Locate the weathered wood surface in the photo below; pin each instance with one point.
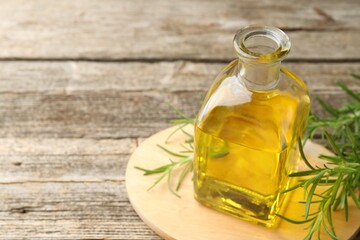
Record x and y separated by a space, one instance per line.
82 82
119 100
90 29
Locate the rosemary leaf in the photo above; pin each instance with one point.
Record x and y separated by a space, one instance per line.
294 221
171 152
348 91
301 149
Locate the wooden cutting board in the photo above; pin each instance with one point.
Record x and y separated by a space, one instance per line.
184 218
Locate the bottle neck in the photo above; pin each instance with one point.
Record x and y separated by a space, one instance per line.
261 50
259 77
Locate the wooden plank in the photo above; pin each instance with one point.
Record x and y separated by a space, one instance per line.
71 108
69 77
101 115
110 29
63 160
69 211
112 100
67 189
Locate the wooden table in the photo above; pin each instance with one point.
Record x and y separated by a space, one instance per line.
83 82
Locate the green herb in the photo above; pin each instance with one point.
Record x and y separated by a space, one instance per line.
340 174
184 163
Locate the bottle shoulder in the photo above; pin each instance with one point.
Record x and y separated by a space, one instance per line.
230 89
290 82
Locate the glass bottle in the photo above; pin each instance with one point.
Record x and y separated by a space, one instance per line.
247 129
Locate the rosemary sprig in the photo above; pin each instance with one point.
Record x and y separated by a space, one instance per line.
341 179
340 174
347 115
184 163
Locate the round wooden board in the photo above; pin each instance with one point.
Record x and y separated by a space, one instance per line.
184 218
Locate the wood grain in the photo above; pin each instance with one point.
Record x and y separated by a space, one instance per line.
66 210
63 160
111 29
67 77
66 188
114 100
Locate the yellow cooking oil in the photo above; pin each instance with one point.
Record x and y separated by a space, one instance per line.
247 130
242 158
